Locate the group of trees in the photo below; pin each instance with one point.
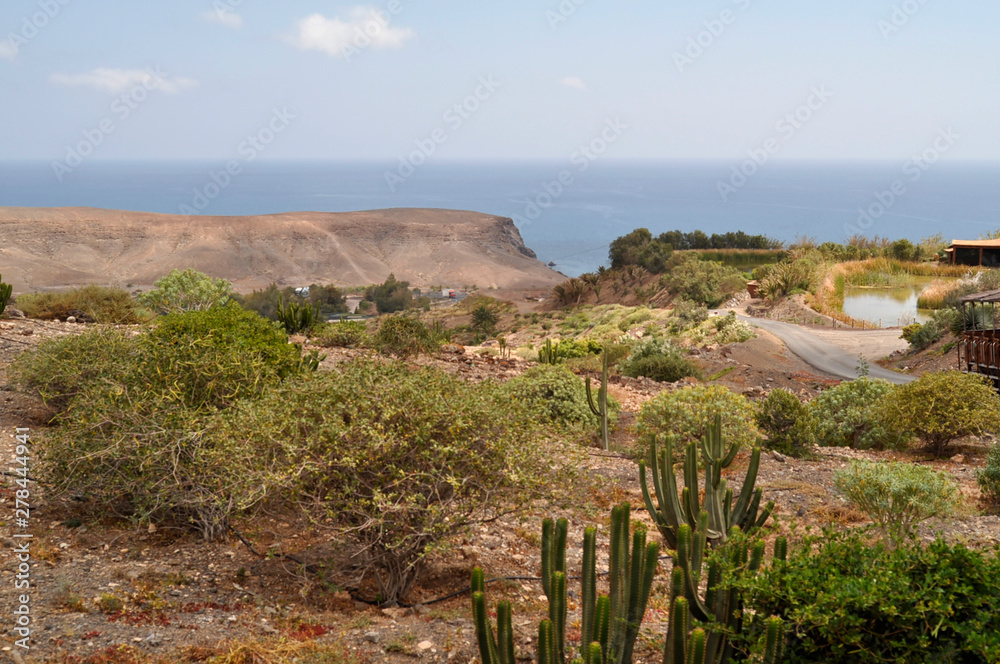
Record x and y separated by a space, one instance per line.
640 247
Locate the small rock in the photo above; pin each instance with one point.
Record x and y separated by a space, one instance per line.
469 553
778 456
396 612
425 645
71 319
153 640
958 458
372 637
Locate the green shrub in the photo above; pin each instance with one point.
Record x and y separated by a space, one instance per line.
187 290
555 391
297 317
848 416
988 478
390 296
703 282
846 601
686 314
5 293
402 336
730 330
786 423
896 496
395 460
98 303
484 319
132 422
687 412
660 360
344 334
943 406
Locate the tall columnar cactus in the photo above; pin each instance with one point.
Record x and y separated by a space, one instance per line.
5 292
548 354
720 608
601 408
673 510
609 623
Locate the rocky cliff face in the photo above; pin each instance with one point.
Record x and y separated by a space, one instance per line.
56 247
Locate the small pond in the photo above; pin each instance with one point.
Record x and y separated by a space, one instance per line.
890 307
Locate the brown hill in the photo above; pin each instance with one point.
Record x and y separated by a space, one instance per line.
57 247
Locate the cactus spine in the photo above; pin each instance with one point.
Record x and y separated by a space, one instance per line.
601 408
609 624
674 510
5 292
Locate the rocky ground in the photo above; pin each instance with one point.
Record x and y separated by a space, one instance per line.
101 584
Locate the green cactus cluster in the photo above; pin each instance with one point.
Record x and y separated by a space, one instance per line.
600 409
673 510
720 609
5 292
548 354
609 623
296 317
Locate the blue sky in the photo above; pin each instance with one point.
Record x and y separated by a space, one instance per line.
869 79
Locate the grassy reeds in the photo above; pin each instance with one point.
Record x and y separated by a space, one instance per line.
933 297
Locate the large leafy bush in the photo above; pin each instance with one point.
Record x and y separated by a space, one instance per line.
395 459
704 282
942 406
686 413
660 360
786 422
849 415
133 409
558 394
187 290
846 601
896 496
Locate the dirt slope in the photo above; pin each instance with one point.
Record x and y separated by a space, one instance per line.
57 247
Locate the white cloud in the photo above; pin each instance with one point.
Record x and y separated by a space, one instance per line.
116 81
573 82
366 26
225 18
7 50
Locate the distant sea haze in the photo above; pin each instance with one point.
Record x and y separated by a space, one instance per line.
567 211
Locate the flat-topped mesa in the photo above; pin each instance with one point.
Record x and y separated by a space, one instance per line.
58 247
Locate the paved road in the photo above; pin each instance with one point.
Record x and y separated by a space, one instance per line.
822 354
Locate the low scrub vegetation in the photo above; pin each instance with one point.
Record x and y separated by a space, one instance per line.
435 455
896 496
98 304
849 415
558 394
847 601
660 360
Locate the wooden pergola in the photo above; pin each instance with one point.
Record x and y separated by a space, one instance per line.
979 347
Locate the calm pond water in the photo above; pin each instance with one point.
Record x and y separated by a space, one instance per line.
891 306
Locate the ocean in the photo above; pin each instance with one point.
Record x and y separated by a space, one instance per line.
568 212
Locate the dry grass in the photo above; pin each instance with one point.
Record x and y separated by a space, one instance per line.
933 296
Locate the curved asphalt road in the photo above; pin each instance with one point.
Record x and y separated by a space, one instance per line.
821 354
